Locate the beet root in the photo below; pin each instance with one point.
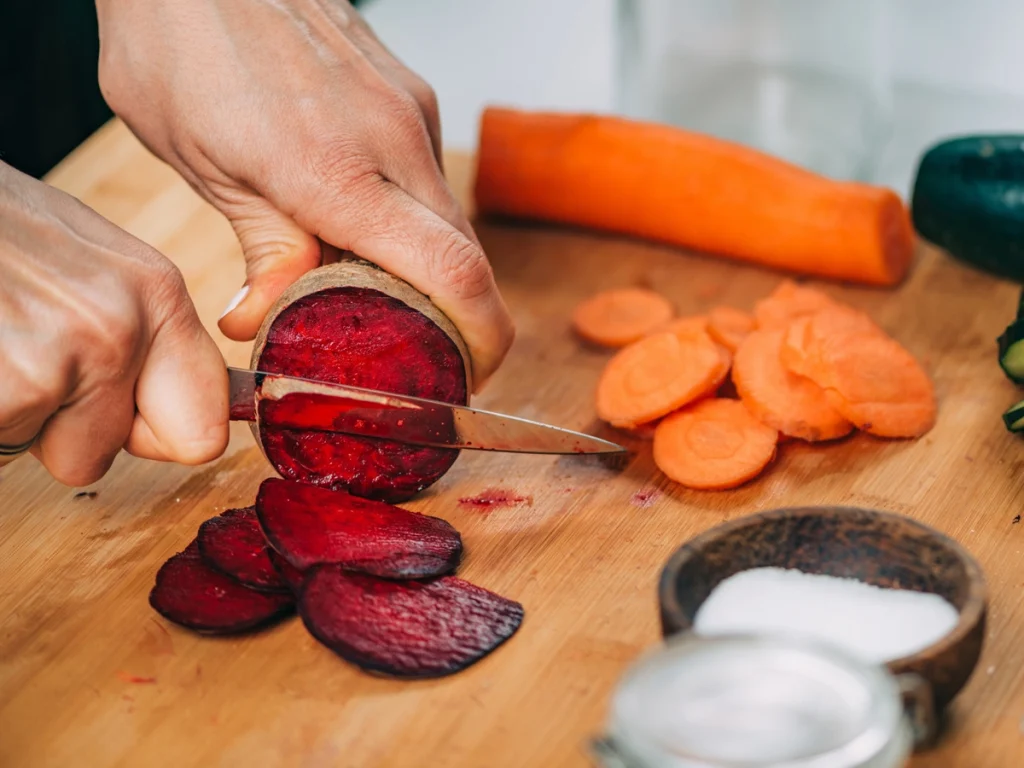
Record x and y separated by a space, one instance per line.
309 525
291 575
193 595
234 545
407 629
357 335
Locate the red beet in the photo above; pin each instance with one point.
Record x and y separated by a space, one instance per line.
362 337
310 525
409 629
291 575
190 593
234 545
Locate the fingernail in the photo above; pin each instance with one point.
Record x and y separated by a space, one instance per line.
238 299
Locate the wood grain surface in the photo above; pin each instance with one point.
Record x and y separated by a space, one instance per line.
91 676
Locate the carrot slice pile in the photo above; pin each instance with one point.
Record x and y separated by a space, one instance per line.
784 401
805 367
729 326
620 317
713 445
657 375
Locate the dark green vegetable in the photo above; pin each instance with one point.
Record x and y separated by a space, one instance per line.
969 199
1014 418
1011 351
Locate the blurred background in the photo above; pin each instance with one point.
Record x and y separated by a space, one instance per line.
915 70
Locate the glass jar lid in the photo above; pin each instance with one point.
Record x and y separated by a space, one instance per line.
752 701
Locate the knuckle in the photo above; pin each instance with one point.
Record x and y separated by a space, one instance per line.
424 95
74 473
404 120
462 266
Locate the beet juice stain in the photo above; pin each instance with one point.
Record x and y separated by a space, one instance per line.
493 498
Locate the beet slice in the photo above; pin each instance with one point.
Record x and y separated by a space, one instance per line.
351 323
409 629
291 575
309 525
190 593
233 544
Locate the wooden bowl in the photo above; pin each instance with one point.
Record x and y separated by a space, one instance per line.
879 548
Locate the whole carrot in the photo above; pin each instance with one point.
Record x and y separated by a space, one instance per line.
666 184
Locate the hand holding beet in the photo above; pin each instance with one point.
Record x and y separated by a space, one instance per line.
302 129
100 346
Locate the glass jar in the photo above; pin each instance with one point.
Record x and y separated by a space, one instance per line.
759 702
805 80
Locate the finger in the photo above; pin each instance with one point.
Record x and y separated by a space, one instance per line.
80 441
389 228
277 253
181 395
29 393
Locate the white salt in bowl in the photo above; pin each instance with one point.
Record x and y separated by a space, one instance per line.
879 548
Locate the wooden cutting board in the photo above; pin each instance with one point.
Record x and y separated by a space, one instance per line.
90 675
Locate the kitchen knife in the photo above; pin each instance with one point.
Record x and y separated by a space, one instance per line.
294 403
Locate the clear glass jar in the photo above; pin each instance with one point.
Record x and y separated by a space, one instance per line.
806 80
757 702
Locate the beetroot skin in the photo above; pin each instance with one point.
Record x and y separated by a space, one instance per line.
190 593
363 338
408 629
234 545
310 525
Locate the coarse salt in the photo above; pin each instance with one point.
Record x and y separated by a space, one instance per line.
875 623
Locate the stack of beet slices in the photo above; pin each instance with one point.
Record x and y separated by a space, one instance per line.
371 581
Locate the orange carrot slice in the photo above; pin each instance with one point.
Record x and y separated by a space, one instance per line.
784 401
799 347
729 326
787 302
874 382
619 317
657 375
686 326
676 186
713 445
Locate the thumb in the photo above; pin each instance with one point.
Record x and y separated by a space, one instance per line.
277 253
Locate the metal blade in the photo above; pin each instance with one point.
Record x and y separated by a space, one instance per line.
293 403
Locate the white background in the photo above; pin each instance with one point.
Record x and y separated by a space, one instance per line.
959 63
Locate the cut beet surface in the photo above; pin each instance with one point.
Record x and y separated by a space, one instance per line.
291 575
234 545
309 525
409 629
190 593
364 338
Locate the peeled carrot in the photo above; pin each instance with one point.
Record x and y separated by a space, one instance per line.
729 326
791 404
666 184
619 317
713 445
788 302
657 375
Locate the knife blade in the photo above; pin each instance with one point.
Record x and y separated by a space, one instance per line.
294 403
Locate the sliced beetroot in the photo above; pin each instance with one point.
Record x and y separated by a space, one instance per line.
409 629
291 575
365 338
190 593
309 525
234 545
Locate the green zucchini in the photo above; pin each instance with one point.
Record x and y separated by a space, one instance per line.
1014 418
1011 351
968 199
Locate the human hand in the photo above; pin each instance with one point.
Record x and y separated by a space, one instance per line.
300 127
100 346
